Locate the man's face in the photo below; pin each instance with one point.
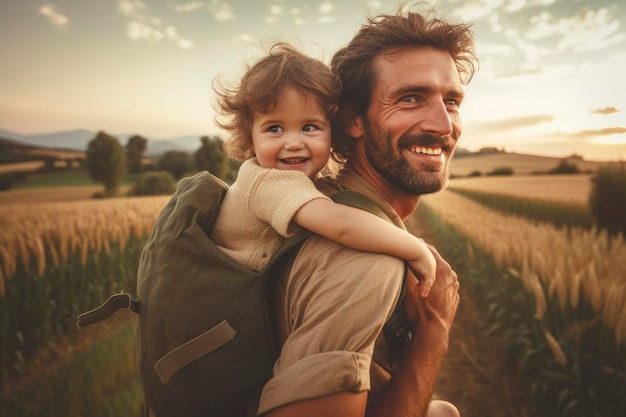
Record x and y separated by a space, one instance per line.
413 123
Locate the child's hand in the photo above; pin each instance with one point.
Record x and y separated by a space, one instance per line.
424 269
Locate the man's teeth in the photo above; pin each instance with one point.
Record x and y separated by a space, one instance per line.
427 151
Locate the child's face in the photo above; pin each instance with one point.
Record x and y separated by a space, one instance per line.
294 135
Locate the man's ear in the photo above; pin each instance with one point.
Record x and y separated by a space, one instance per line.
357 127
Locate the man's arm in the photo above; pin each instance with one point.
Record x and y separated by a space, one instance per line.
409 392
360 229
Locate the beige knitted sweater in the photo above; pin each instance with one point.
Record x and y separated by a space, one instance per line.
257 210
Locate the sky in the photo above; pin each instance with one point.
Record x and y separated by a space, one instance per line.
551 81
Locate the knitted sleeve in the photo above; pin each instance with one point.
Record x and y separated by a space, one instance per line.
279 194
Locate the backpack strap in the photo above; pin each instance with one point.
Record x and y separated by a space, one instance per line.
110 306
356 200
397 334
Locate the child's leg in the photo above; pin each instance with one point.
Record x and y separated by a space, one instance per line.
438 408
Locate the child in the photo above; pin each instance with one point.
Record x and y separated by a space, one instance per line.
279 120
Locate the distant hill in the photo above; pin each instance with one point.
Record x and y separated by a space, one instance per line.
12 151
79 138
465 163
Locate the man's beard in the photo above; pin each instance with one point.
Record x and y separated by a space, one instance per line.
397 170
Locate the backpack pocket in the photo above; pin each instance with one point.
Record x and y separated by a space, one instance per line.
196 348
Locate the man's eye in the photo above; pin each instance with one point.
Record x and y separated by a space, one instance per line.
452 103
275 129
309 128
409 99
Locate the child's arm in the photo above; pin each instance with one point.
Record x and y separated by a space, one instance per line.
360 229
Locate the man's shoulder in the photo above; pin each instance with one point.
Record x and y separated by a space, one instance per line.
318 249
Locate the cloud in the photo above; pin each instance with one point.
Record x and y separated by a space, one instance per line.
221 11
184 43
326 19
586 31
542 3
187 7
510 124
542 74
470 12
275 12
139 31
130 7
147 28
598 132
172 34
53 16
605 110
613 136
519 73
513 6
246 39
326 7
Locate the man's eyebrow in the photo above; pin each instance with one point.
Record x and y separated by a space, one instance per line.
423 89
459 94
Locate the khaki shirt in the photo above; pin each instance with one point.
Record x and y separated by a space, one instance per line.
257 211
331 309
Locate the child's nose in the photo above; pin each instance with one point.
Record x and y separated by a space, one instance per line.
293 141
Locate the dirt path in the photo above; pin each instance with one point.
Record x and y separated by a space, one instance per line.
474 376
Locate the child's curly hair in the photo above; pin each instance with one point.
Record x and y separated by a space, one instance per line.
261 86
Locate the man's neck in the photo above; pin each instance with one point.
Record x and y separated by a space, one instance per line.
403 203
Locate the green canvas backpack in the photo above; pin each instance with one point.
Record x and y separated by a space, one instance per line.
204 341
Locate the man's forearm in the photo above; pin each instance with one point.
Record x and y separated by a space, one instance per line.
409 392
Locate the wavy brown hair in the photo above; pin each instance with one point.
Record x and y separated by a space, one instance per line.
408 28
261 86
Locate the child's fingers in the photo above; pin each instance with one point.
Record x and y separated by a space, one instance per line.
425 284
425 275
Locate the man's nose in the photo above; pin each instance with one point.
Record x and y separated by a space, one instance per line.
437 119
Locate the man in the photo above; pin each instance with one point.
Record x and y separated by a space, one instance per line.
402 79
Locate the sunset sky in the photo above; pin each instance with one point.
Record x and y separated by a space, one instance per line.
552 79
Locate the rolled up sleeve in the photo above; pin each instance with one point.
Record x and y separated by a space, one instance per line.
336 302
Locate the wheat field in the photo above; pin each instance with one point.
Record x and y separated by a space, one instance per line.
37 234
562 188
551 262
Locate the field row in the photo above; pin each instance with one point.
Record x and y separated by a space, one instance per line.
551 262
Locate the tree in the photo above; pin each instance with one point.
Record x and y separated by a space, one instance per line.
135 147
177 163
607 200
501 171
154 183
565 167
106 161
211 157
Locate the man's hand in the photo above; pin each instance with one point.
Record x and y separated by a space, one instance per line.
410 389
443 300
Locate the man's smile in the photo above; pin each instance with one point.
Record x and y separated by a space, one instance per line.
426 150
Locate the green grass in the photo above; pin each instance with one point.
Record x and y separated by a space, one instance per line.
552 212
99 381
65 178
